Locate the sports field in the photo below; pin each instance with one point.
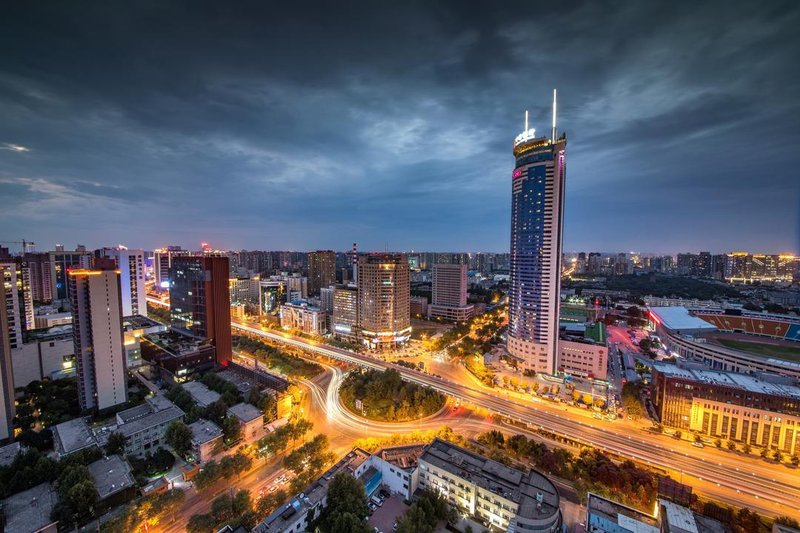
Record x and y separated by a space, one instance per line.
789 353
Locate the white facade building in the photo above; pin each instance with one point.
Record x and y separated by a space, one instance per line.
132 278
303 317
97 332
450 293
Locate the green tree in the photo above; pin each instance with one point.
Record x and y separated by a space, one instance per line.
231 429
200 523
787 521
115 444
179 437
82 497
347 507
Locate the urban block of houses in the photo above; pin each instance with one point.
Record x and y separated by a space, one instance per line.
143 427
507 498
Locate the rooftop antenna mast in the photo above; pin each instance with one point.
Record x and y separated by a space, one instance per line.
554 116
526 121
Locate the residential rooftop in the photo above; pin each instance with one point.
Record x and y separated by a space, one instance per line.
240 382
747 382
111 475
204 431
678 519
176 343
403 457
9 452
141 322
601 509
72 436
49 334
245 412
201 394
29 510
153 419
524 489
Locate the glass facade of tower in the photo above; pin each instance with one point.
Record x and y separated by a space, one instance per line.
536 228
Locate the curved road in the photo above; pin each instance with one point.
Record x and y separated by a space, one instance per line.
725 477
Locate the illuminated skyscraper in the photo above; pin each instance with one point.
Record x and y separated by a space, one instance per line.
321 270
384 293
6 377
537 215
200 300
131 270
96 303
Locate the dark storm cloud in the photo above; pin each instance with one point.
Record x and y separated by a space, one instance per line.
300 125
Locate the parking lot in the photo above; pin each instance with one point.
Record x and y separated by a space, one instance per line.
385 516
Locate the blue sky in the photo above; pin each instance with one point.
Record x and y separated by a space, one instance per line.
302 126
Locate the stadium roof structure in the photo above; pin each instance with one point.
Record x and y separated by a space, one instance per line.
679 319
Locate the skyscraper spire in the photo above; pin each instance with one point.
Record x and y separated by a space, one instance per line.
553 138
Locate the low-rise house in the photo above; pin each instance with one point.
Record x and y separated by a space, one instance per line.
9 452
113 479
72 436
205 437
251 420
202 395
143 426
29 511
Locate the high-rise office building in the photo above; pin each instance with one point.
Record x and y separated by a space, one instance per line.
200 300
272 294
384 293
96 303
321 270
41 272
162 262
344 322
18 299
6 379
537 215
450 293
132 278
63 260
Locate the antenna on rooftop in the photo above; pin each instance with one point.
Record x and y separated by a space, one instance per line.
554 116
526 120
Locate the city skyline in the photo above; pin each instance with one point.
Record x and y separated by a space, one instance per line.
145 132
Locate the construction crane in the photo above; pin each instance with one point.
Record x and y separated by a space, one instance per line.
23 242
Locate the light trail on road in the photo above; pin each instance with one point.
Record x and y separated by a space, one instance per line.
727 478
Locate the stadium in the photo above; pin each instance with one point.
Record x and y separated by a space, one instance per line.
733 340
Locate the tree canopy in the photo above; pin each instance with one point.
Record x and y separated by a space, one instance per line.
385 396
347 507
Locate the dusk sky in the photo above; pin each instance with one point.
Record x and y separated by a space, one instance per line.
302 126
